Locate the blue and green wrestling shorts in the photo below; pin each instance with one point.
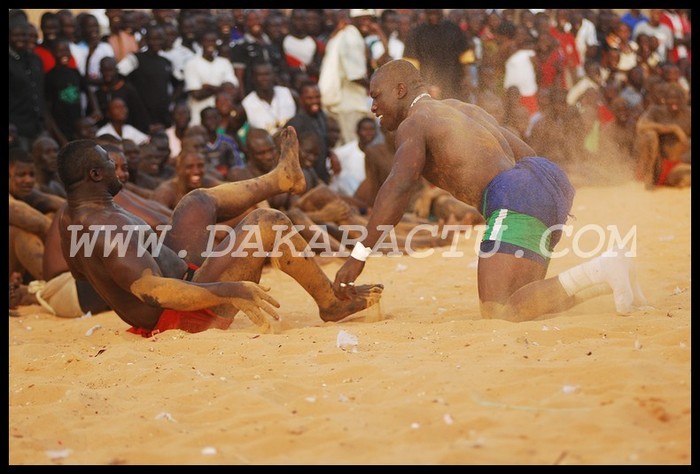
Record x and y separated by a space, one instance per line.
521 205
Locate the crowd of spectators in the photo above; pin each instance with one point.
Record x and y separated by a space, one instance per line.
604 94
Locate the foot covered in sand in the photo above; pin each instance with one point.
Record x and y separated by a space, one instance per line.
364 297
15 291
291 177
620 273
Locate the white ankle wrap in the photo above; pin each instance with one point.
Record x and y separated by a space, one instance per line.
581 276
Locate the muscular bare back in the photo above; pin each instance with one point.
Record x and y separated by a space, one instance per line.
465 148
84 262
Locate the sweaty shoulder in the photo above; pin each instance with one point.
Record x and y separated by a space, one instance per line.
473 111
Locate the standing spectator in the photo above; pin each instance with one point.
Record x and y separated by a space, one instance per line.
549 61
121 39
390 24
520 69
164 16
69 29
320 24
654 28
586 37
204 76
300 49
567 43
633 17
26 86
224 23
256 46
678 22
187 25
268 106
32 38
50 25
91 49
62 88
113 85
344 79
439 49
152 76
276 28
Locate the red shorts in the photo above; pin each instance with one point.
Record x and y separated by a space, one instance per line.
189 321
530 103
666 168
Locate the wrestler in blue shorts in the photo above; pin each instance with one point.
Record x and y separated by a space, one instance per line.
521 205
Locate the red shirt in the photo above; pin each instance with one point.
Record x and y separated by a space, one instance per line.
567 41
48 60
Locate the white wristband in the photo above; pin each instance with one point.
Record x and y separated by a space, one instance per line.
360 252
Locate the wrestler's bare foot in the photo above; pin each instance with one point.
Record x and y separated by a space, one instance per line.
15 290
288 169
366 296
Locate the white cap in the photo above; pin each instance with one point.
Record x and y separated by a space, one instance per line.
355 12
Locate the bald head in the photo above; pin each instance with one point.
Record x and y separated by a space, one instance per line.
399 70
393 88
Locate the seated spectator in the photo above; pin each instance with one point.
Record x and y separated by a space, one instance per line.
268 106
117 114
663 140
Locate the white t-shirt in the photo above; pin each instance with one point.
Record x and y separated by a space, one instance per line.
520 72
303 49
128 132
352 173
270 116
199 71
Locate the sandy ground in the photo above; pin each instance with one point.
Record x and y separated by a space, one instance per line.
429 381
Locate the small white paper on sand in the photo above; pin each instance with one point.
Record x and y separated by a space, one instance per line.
346 341
59 454
165 416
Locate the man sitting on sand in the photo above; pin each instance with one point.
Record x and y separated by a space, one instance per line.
663 140
462 149
178 285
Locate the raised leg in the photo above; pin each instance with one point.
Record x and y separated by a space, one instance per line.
203 207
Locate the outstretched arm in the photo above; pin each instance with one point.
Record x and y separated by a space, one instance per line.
391 201
181 295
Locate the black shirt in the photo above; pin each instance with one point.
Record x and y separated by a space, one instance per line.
26 100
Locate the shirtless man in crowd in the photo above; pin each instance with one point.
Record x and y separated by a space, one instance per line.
663 140
178 284
462 149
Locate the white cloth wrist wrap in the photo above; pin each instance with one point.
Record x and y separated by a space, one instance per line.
360 252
